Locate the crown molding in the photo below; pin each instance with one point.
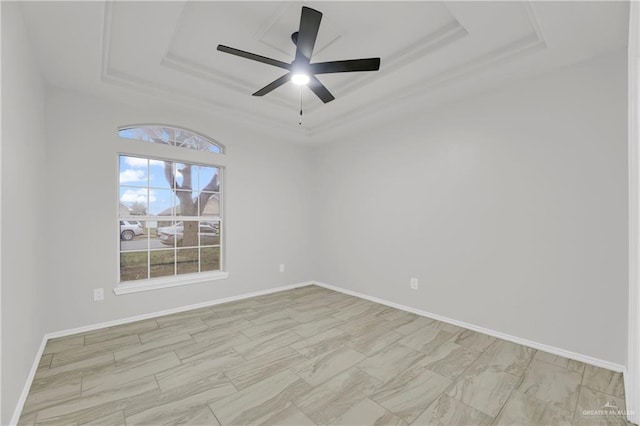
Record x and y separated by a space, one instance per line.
506 53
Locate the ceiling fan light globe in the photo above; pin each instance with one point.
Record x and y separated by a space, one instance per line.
300 79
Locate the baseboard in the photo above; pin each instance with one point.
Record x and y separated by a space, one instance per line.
25 390
128 320
535 345
27 386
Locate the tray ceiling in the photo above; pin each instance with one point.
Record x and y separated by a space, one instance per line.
431 52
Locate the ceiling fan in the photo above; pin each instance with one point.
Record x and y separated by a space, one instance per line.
301 71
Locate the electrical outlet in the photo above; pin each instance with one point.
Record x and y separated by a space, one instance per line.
413 283
98 294
282 267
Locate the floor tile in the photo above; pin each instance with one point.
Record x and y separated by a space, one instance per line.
258 347
414 325
602 380
69 356
426 338
598 408
321 368
449 359
51 377
371 343
45 361
484 388
387 364
192 370
410 392
136 354
552 384
260 402
77 410
269 328
203 416
522 409
473 340
63 344
167 331
320 343
449 411
181 409
311 328
127 373
367 413
325 403
250 372
209 347
508 357
111 333
560 361
113 419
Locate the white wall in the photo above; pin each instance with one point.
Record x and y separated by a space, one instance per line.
23 181
510 208
267 209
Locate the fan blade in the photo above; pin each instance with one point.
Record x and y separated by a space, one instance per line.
319 89
352 65
273 85
253 57
309 25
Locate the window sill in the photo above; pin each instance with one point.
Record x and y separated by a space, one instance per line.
158 283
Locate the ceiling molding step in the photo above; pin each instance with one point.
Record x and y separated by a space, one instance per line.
437 40
168 94
177 63
260 34
507 53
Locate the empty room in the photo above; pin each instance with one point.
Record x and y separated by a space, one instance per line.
327 213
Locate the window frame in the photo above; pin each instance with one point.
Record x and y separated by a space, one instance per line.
221 147
181 156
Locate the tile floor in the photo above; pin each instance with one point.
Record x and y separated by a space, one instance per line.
310 356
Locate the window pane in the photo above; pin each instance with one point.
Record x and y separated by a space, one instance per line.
208 179
133 235
133 201
189 235
184 176
209 233
186 203
162 263
134 171
212 205
133 265
168 233
210 259
170 136
151 230
187 261
161 202
157 176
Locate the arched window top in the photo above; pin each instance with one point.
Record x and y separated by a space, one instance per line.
174 136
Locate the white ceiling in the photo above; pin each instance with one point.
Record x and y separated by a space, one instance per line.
431 52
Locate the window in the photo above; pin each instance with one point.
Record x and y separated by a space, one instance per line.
171 136
170 220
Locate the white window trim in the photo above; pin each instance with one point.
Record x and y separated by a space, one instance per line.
166 282
150 284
